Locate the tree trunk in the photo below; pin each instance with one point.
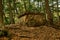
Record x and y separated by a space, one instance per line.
57 9
48 13
1 14
14 6
11 14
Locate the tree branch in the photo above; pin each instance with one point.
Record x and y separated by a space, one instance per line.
30 13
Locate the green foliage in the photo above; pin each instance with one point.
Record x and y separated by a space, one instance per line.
18 4
7 20
38 0
6 9
30 6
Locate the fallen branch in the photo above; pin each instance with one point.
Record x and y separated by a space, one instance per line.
29 13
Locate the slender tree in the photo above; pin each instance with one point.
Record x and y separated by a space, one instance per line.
11 13
1 14
57 9
14 6
25 5
48 12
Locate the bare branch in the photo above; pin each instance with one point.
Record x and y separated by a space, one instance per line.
30 13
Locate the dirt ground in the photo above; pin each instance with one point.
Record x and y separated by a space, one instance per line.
33 33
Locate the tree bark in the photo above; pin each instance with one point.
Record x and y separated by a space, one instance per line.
1 14
48 13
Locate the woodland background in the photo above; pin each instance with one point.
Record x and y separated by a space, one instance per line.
30 15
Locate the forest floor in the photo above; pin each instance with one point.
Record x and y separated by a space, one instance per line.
33 33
